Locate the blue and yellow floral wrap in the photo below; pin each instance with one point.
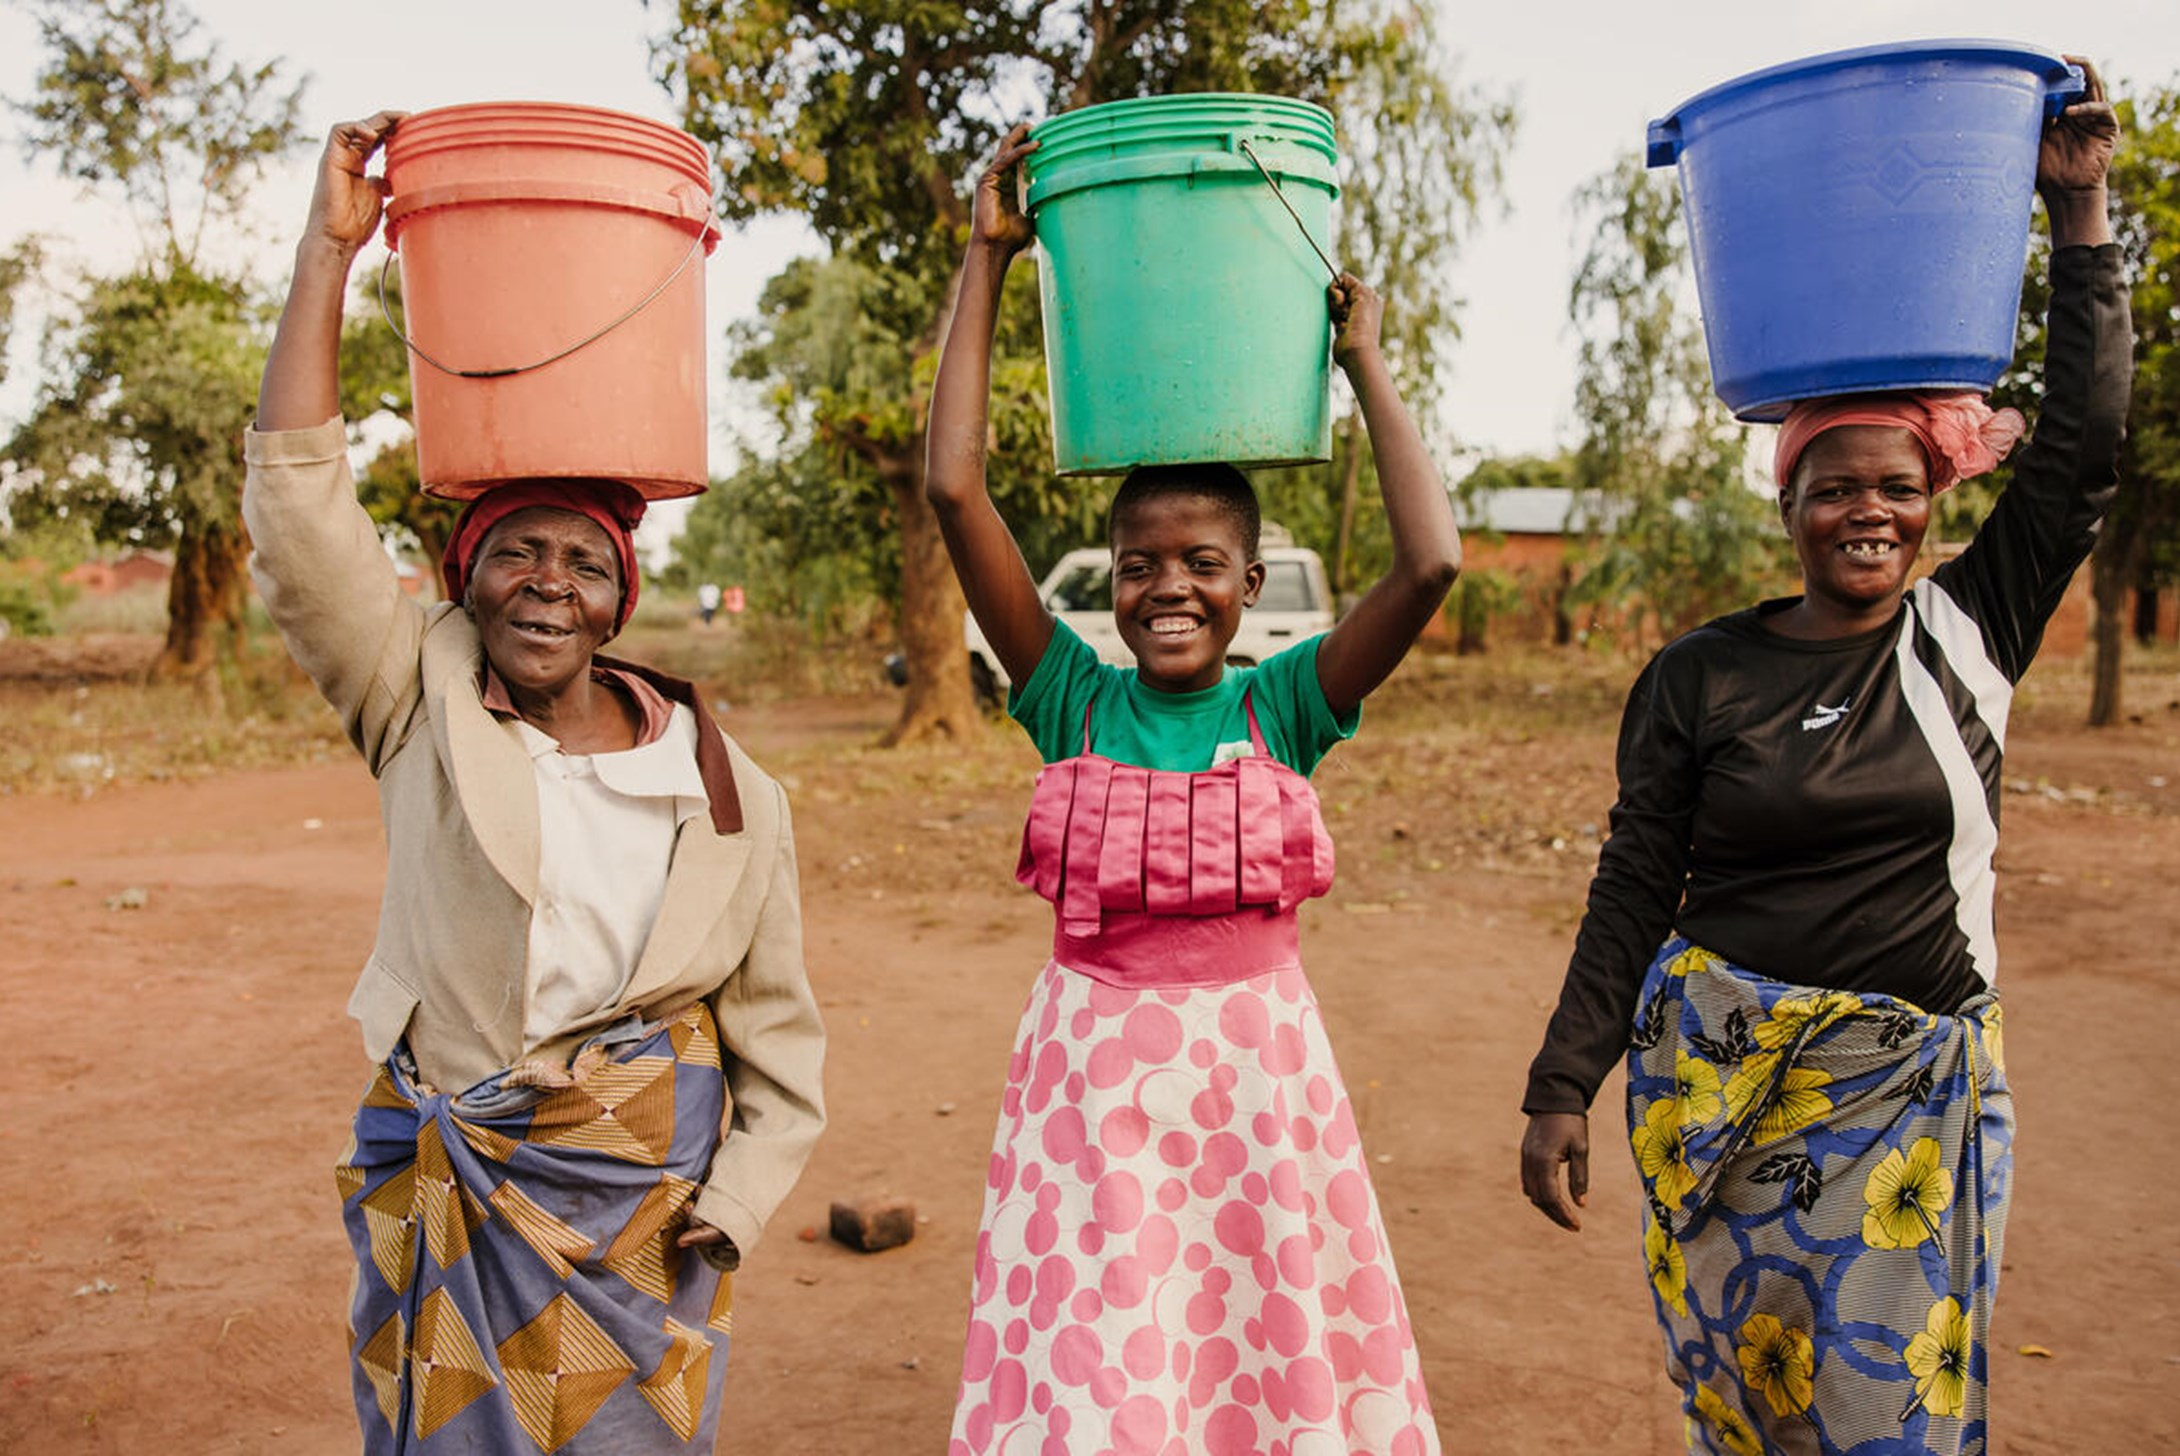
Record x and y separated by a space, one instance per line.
1826 1176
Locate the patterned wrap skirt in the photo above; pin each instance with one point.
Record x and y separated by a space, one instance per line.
1181 1252
1826 1177
517 1284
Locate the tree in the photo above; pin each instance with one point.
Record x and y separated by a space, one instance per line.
152 372
869 118
1686 536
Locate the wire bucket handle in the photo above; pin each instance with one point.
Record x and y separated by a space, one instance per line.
1272 182
386 312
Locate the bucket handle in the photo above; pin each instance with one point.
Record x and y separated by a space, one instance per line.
704 235
1664 143
1251 153
2062 88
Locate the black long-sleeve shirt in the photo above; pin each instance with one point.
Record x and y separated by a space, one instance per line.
1825 812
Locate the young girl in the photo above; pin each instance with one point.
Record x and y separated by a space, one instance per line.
1180 1248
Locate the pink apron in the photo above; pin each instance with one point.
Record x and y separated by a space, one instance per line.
1180 1250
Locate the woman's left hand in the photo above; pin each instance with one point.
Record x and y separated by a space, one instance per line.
1357 315
995 211
2076 152
710 1241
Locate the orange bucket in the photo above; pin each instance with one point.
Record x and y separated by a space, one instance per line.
553 289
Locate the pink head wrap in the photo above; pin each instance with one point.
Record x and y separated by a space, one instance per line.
614 506
1961 436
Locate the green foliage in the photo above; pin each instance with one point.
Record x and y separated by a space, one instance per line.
34 557
1479 595
1684 534
28 598
1498 473
745 532
18 267
136 430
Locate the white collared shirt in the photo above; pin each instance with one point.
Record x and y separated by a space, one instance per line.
606 828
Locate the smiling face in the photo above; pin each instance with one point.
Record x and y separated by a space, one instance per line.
1181 577
544 590
1857 511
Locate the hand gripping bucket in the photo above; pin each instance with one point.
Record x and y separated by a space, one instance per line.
553 292
1860 220
1184 311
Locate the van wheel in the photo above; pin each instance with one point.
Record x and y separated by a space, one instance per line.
983 684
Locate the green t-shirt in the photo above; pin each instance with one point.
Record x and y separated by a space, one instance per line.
1188 732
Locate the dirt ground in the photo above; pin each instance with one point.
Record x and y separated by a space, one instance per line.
181 1076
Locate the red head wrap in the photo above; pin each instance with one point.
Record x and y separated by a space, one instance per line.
1961 436
613 505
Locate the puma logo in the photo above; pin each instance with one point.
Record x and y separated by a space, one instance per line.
1821 716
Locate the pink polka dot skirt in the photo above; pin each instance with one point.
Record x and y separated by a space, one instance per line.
1181 1252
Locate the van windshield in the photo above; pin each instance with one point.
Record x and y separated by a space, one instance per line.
1088 588
1286 588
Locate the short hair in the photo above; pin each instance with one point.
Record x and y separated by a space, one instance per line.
1226 488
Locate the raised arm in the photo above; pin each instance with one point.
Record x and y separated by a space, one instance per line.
318 563
1370 640
2012 575
301 386
995 579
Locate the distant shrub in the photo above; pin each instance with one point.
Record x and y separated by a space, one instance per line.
26 599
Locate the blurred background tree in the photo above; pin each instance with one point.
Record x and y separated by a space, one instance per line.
150 374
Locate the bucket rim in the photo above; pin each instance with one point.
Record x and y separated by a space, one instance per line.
692 171
446 125
1142 137
522 106
1312 117
2049 66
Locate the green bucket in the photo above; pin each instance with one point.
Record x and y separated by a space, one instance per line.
1184 311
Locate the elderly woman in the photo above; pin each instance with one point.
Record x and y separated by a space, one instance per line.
1808 802
598 1051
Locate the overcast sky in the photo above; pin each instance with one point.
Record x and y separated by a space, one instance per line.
1586 76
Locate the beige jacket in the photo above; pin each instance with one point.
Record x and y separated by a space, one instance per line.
456 789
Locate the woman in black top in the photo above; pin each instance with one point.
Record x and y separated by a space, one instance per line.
1808 808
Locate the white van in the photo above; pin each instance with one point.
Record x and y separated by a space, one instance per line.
1296 603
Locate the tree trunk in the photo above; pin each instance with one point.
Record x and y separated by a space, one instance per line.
2109 572
204 594
1350 475
939 698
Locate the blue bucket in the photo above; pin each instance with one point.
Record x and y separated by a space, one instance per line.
1860 220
